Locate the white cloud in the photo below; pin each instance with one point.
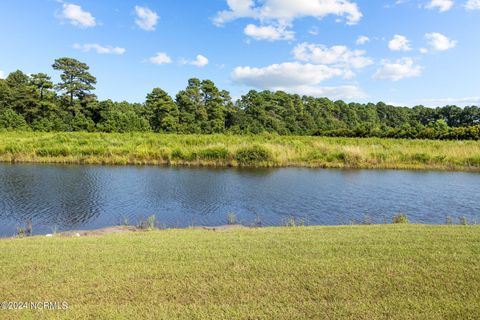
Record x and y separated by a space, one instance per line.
77 16
200 61
439 42
399 43
398 70
99 48
362 40
285 11
146 18
2 74
270 33
462 102
472 5
284 75
339 56
161 58
348 92
295 77
441 5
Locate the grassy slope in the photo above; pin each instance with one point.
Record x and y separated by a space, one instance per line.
357 272
221 150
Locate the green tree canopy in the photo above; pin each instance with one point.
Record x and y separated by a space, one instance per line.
162 111
41 82
76 80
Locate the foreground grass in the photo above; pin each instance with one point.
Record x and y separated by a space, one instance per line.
357 272
225 150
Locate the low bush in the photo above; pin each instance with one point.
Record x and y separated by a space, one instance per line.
400 218
253 155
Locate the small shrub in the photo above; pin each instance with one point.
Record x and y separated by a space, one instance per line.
54 230
293 222
474 161
367 219
215 153
400 218
232 218
53 152
253 155
421 157
449 220
177 154
337 156
463 220
258 220
149 224
352 157
315 155
25 231
152 222
379 157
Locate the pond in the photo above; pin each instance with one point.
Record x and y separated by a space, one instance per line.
68 197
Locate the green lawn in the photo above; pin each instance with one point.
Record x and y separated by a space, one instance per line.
229 150
356 272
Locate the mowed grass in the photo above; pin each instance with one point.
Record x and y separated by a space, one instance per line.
229 150
351 272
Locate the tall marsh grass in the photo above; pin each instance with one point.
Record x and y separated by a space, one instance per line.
230 150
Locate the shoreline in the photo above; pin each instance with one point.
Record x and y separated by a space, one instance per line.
121 229
126 229
207 165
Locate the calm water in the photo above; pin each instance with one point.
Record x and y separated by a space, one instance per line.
89 197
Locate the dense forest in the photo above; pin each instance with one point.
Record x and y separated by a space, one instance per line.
34 102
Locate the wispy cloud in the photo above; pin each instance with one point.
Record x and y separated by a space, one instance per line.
99 48
77 16
160 58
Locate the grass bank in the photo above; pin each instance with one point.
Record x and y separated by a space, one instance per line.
226 150
356 272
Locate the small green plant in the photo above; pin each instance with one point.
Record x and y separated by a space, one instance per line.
152 222
400 218
231 218
214 153
149 224
294 222
463 220
258 220
124 221
25 231
54 230
253 155
449 220
21 232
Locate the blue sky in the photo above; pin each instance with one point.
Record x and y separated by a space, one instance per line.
400 51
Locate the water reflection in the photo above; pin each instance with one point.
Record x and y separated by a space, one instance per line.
77 197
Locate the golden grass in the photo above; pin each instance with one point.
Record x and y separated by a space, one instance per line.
223 150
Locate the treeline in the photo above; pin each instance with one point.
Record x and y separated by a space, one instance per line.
34 102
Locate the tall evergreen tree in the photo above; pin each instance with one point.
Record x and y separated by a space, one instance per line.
76 80
41 82
193 114
162 112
